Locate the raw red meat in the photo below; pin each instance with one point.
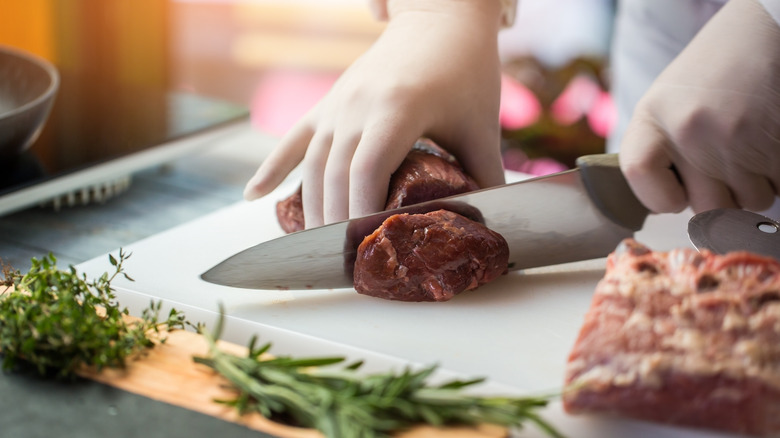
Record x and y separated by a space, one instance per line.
289 212
682 337
428 257
428 172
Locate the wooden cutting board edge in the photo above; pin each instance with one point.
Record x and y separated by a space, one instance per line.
167 373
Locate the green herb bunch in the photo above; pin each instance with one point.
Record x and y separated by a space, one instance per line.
344 403
59 321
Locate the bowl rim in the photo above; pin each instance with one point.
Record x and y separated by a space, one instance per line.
47 66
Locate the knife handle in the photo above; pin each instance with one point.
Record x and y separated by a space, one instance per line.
610 191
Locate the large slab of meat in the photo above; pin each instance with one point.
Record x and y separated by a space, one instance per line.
682 337
428 172
428 257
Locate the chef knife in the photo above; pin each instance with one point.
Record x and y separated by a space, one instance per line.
724 230
578 214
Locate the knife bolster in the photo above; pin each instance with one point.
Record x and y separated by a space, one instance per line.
610 191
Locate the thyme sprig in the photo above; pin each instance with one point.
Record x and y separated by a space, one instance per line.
345 403
58 321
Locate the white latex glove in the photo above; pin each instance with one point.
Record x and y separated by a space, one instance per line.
433 72
713 113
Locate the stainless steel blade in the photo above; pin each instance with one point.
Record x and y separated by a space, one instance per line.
729 229
546 221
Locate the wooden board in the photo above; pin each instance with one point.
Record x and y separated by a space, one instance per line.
168 373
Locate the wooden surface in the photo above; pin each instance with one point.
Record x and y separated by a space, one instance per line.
167 373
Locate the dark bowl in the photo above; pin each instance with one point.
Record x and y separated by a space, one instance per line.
28 85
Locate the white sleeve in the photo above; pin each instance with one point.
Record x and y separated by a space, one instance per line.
508 11
773 7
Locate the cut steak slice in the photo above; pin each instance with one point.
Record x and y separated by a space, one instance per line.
428 172
682 337
428 257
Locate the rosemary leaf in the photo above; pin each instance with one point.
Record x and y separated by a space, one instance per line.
343 403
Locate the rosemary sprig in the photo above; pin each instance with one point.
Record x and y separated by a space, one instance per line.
344 403
58 321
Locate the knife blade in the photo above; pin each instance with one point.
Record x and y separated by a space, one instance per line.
724 230
578 214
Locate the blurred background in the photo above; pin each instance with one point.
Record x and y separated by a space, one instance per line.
157 69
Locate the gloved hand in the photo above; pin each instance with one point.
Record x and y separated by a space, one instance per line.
713 113
433 72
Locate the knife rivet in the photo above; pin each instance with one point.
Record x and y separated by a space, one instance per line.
767 227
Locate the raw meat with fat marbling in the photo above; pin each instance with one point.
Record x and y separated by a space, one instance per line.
682 337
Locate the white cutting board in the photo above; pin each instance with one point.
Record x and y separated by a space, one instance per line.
516 331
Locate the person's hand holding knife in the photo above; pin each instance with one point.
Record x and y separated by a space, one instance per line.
707 132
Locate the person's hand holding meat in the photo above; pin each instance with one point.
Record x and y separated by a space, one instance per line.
713 114
433 72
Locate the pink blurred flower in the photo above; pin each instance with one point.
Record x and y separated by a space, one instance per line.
515 159
519 107
602 115
575 100
582 97
282 97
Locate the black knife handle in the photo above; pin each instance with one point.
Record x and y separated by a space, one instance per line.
610 191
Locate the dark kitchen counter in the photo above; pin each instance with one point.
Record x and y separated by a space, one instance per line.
35 407
157 199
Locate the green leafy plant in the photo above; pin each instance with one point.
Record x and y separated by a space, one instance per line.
58 321
344 403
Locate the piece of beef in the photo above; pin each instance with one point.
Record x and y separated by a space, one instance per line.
428 172
428 257
682 337
289 212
